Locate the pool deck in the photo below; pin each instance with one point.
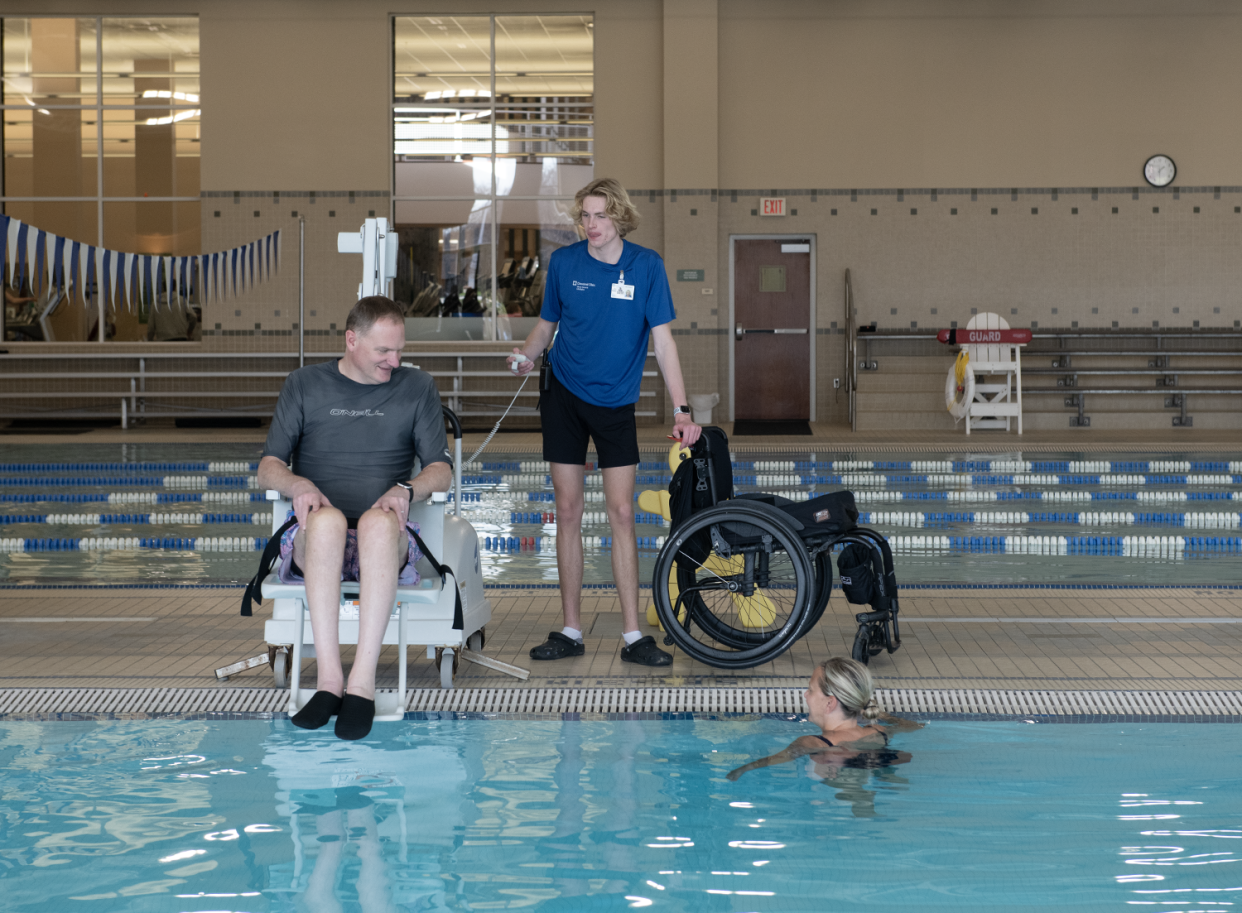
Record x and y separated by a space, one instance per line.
1171 639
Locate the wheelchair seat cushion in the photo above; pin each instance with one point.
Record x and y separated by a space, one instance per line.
834 512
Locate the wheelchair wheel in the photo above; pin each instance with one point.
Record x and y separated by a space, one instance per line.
745 581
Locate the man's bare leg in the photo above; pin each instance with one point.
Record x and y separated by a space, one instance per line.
568 484
382 547
319 550
619 498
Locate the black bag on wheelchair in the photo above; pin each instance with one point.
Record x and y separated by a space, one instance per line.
855 564
701 481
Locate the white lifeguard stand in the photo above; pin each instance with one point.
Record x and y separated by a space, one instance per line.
997 364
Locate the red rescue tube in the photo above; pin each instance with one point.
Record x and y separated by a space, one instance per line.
960 337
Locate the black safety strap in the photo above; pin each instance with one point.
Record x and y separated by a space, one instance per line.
445 573
254 588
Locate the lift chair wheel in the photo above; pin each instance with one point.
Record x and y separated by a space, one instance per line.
477 641
279 658
447 670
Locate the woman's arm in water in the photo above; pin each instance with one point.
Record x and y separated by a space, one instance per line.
897 723
807 744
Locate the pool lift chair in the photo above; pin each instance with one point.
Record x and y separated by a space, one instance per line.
445 612
743 577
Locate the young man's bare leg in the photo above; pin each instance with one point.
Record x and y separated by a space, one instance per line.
619 499
568 484
619 496
319 550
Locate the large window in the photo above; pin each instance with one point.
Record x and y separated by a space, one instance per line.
493 132
101 145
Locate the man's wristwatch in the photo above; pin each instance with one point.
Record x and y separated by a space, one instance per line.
680 410
409 490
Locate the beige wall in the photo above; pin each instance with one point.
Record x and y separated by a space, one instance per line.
947 93
889 97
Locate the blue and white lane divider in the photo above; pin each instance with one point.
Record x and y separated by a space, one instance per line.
972 466
1192 520
1062 497
198 482
137 543
132 519
140 497
963 480
1096 546
548 543
227 466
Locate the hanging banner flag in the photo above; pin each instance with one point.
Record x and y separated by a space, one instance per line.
40 257
74 286
43 260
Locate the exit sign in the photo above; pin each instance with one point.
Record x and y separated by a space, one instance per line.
690 275
771 206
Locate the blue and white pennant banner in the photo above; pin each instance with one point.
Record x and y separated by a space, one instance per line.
44 260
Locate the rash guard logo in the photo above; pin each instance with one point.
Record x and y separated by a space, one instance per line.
354 412
583 286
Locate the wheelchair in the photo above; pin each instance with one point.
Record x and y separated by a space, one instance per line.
741 578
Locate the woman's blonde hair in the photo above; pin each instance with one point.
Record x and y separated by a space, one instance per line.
617 205
850 683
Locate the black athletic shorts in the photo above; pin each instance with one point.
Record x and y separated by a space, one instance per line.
568 421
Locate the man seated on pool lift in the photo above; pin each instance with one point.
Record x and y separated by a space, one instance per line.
352 428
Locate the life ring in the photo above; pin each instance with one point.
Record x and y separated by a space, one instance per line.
959 394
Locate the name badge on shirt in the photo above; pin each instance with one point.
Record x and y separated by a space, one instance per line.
621 290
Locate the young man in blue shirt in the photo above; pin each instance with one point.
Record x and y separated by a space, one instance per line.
603 298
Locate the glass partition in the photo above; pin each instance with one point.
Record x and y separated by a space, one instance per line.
100 138
493 124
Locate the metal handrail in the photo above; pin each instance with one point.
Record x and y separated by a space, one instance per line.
851 350
134 399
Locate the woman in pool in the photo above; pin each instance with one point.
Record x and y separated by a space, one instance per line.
841 699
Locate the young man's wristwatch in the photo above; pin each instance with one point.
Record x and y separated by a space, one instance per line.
680 410
409 490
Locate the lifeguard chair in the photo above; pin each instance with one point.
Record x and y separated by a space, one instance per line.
994 389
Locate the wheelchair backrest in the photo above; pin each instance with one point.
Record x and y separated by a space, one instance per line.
704 479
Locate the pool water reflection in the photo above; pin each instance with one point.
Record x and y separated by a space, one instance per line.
611 815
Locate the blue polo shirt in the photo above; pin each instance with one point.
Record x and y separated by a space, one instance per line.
601 341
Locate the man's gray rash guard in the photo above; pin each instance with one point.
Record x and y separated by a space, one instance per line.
355 441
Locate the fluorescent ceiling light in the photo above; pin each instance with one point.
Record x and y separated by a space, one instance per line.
458 93
164 93
179 116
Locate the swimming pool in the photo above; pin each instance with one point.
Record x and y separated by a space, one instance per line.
191 514
550 815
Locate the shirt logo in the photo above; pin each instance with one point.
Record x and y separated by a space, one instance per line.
583 286
354 412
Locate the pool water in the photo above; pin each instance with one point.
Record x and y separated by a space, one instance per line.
573 815
1068 518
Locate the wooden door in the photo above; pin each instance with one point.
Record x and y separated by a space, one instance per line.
771 330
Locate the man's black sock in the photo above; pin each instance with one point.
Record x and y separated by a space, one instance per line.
354 720
318 710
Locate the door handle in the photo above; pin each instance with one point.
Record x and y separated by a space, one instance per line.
740 331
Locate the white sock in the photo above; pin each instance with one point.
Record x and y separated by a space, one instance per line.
572 633
632 637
